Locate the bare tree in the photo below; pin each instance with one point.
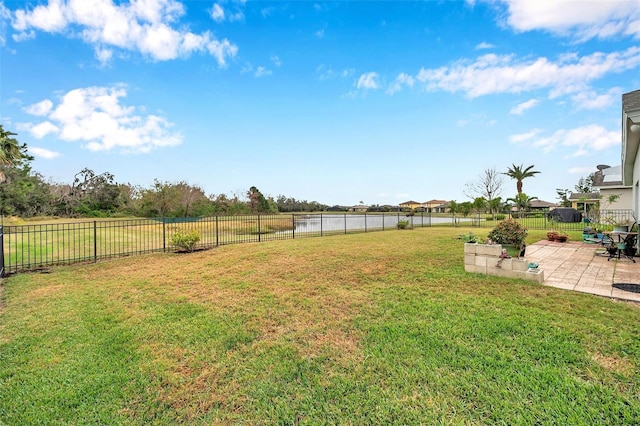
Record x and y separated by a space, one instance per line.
488 185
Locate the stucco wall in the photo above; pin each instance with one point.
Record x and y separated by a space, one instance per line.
624 202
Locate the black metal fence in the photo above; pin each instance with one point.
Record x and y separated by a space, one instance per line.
32 247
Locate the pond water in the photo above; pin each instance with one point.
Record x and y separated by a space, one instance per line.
321 223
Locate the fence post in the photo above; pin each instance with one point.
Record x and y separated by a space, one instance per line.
217 227
1 251
365 222
259 237
293 226
95 241
164 235
321 224
383 221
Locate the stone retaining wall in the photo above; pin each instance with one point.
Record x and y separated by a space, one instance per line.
485 259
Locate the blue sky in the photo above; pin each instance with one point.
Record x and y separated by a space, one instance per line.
337 102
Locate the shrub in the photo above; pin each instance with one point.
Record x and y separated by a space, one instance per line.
508 232
403 224
470 238
186 240
500 217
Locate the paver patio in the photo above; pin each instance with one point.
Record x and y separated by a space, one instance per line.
583 267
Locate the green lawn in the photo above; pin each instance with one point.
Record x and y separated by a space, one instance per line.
376 328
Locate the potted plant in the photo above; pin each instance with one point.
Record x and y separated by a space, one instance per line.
510 234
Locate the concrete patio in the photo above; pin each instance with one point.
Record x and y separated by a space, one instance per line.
581 267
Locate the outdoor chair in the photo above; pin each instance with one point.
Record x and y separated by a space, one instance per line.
626 248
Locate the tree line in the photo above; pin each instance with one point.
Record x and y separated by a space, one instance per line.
26 193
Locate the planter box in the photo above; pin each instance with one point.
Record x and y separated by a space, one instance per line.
486 259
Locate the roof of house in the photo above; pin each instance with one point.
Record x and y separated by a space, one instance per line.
409 202
541 204
438 202
585 196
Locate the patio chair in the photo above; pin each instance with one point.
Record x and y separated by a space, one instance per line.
628 247
610 247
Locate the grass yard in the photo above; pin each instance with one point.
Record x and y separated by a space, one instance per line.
375 328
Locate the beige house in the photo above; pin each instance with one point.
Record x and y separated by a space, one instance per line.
410 205
585 202
630 143
435 206
359 208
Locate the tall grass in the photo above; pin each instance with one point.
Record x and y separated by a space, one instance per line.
377 328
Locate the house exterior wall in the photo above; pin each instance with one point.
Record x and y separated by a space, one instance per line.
624 202
635 202
410 205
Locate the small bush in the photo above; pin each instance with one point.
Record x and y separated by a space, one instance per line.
186 240
500 217
403 224
508 232
470 238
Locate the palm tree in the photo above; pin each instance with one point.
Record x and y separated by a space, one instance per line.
519 173
10 149
522 202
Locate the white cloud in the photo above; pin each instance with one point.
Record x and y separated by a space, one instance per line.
276 61
5 16
217 13
42 153
146 26
368 81
591 100
41 108
522 107
261 72
319 33
327 73
491 74
43 129
103 55
95 117
583 20
401 80
524 137
484 45
585 140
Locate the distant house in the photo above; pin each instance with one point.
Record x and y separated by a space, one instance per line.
359 208
410 205
585 202
542 205
631 147
436 206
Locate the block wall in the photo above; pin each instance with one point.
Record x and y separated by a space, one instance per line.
485 259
